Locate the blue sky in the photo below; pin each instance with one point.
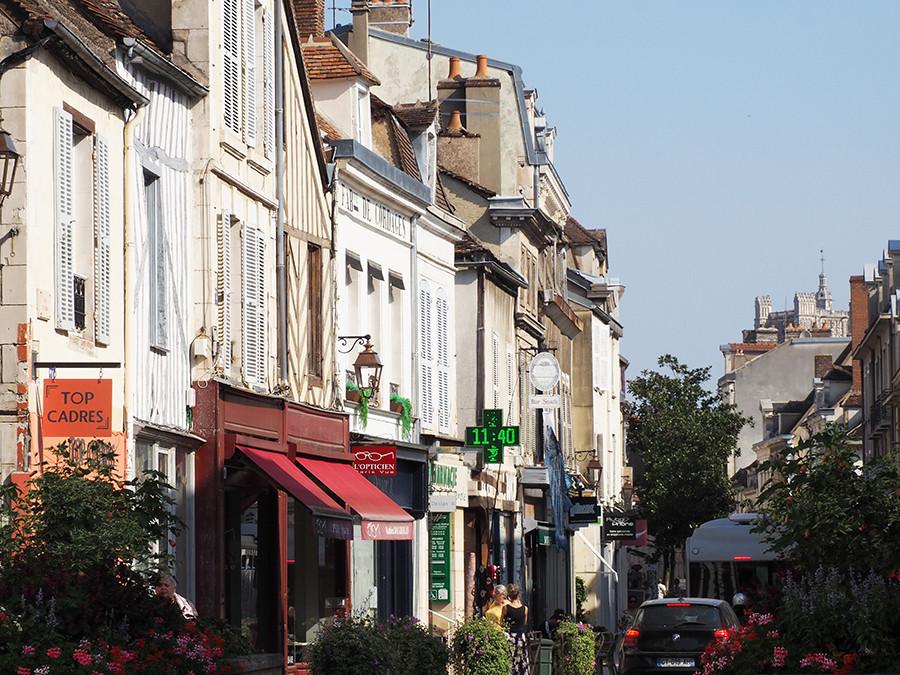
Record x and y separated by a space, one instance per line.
721 144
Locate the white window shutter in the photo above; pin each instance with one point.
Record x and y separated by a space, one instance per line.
231 64
261 306
510 381
426 355
495 368
268 85
249 54
442 314
250 338
102 260
64 244
223 289
601 353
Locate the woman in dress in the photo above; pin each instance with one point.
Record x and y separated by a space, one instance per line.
494 610
517 626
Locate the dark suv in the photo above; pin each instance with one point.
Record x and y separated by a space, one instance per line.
669 635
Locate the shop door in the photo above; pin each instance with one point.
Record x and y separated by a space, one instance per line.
394 573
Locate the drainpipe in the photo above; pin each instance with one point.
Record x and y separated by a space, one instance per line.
414 320
337 400
280 271
130 196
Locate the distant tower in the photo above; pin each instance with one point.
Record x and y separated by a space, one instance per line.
823 295
763 308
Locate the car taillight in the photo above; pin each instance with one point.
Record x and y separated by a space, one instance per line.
631 637
722 635
678 604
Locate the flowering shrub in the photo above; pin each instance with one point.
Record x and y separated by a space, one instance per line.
575 649
349 646
480 648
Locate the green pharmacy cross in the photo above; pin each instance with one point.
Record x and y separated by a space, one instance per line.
492 436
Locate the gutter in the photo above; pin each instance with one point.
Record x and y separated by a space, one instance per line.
352 149
140 54
280 269
104 72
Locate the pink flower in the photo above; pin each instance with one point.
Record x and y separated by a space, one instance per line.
82 657
54 652
819 660
22 670
779 657
28 650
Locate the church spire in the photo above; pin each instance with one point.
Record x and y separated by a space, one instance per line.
823 296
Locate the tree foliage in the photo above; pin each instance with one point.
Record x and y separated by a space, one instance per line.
823 507
683 435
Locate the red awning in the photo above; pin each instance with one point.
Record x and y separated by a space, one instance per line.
329 518
381 517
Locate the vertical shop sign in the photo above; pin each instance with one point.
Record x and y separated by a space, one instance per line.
440 557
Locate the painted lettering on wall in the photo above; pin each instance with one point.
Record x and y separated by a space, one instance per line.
373 213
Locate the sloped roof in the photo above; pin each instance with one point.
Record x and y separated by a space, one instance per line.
329 131
417 116
579 234
399 150
477 187
329 59
440 195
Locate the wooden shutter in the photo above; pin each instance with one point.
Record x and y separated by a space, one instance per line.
442 314
102 259
223 289
268 85
250 297
510 383
426 355
249 54
64 244
262 305
231 65
158 286
495 369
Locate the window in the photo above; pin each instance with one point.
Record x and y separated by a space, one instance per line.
495 370
363 118
510 385
314 323
426 354
528 296
268 85
253 301
442 316
396 304
374 292
78 301
223 290
156 250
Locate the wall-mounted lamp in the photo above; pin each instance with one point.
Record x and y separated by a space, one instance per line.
367 365
9 162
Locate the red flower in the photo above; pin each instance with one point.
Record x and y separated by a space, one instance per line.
22 670
54 652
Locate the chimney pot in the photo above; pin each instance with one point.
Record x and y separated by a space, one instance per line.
454 68
455 123
482 68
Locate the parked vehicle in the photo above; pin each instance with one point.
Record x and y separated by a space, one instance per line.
669 635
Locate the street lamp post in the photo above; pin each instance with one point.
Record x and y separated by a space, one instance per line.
9 162
367 366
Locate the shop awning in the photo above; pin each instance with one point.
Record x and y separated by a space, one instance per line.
329 518
381 517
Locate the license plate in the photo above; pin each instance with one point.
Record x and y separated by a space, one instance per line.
674 663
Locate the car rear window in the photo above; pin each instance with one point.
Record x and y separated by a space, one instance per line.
678 614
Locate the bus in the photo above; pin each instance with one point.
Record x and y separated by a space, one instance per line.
723 557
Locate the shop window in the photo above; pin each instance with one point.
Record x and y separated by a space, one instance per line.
394 573
317 579
314 295
78 297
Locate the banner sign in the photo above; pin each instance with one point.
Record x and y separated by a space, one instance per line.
334 528
584 511
383 530
448 481
440 557
79 408
375 460
619 526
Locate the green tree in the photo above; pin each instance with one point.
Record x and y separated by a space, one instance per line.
683 436
823 507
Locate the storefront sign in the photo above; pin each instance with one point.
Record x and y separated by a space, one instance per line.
375 460
334 528
448 485
619 526
375 214
440 557
382 530
544 371
544 401
544 536
584 511
79 408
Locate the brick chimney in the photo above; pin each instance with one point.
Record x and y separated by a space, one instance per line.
823 365
482 117
392 16
358 40
309 15
859 323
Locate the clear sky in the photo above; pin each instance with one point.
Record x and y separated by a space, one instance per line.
721 144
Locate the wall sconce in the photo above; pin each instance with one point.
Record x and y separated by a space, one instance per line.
367 365
9 162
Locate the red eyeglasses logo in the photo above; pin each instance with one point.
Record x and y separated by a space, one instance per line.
375 460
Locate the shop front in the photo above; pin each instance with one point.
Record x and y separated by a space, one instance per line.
278 503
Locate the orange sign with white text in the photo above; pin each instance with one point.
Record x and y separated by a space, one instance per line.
80 408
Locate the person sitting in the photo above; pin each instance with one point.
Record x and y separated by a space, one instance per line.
165 588
551 624
495 609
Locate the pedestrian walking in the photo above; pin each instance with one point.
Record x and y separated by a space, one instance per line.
495 609
661 589
517 627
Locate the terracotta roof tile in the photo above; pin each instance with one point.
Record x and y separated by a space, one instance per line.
477 187
417 116
579 234
328 59
440 195
395 145
751 346
329 131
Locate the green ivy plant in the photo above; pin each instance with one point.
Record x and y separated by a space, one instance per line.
363 403
575 650
480 648
405 413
